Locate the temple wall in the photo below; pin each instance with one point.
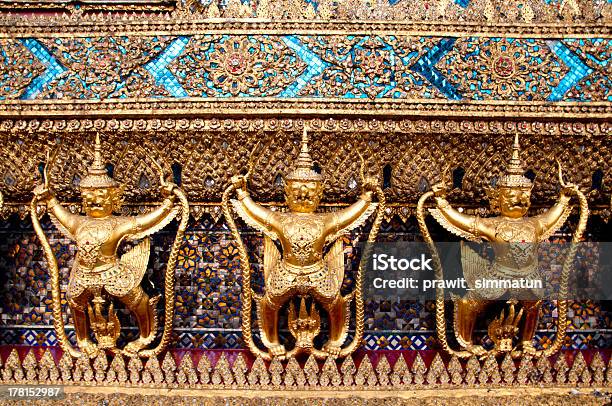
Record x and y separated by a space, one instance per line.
207 89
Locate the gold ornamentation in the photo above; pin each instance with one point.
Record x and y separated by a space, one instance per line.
502 69
31 367
259 374
135 368
99 274
169 368
187 374
117 371
579 372
152 374
302 274
197 143
418 370
455 371
237 66
276 372
382 371
204 369
598 369
512 227
269 377
503 329
48 371
222 372
437 374
83 371
526 370
365 373
508 369
568 12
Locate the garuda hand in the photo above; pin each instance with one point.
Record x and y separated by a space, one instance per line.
439 189
41 192
239 182
168 188
370 184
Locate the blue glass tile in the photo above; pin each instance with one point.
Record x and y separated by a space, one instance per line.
53 68
158 67
425 66
315 66
577 70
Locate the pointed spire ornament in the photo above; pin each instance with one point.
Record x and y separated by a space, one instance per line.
97 175
303 170
514 176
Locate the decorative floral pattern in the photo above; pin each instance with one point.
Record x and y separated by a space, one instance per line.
332 66
104 67
598 57
18 68
503 68
221 65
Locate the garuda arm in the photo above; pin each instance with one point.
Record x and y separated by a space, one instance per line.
345 220
472 228
146 224
62 218
552 219
255 215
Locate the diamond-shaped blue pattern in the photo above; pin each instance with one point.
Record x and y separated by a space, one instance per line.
53 68
425 67
377 68
158 67
577 70
315 66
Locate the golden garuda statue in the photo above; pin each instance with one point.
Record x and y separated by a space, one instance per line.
514 238
99 275
298 272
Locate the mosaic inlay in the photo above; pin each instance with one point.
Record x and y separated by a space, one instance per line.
371 67
208 287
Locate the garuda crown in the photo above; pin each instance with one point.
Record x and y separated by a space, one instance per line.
303 170
97 176
514 176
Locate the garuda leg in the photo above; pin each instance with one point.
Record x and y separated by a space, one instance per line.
338 311
531 309
268 309
78 305
144 309
467 310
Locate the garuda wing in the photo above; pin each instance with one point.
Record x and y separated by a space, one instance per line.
437 214
152 230
475 266
251 221
335 261
358 222
137 258
271 257
60 227
557 225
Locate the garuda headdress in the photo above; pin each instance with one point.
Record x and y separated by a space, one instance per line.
303 170
514 176
97 176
